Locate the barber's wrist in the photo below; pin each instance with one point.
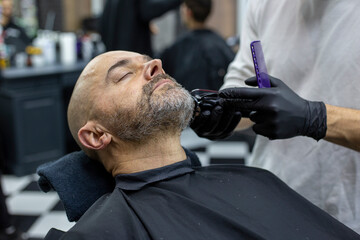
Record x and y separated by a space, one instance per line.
316 121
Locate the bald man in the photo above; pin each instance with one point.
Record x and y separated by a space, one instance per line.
128 114
125 111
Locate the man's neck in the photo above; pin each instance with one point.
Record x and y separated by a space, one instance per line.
194 25
125 158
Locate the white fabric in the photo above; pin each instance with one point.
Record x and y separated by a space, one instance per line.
314 47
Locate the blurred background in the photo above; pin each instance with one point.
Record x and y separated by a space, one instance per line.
50 19
44 45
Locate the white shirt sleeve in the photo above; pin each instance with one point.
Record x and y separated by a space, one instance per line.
242 66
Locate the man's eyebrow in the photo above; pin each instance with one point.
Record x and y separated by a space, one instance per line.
125 62
120 63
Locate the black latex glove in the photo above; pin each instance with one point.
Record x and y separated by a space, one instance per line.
212 120
278 112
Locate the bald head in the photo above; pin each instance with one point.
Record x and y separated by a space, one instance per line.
80 109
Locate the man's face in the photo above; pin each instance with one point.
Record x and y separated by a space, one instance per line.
7 8
137 99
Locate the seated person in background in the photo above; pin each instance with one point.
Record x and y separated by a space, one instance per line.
14 35
198 59
127 114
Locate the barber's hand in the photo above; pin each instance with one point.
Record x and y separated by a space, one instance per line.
278 112
213 120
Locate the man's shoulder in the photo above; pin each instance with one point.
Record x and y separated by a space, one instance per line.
185 39
243 178
193 37
109 210
242 175
220 167
207 37
54 234
234 170
207 32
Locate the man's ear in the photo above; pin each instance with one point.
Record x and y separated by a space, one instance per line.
93 136
189 13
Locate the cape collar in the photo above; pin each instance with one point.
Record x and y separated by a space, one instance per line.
136 181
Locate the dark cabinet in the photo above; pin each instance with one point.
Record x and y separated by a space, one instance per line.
33 117
32 128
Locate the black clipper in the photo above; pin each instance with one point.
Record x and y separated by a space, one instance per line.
207 100
204 100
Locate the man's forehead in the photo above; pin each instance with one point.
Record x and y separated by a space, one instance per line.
99 67
103 61
107 59
120 55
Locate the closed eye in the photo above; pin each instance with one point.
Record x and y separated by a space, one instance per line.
124 76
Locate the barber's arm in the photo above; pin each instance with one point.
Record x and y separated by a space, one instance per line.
279 113
343 126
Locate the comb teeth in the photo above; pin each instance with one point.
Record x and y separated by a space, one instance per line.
256 67
260 70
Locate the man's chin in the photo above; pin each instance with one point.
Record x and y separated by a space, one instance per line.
172 101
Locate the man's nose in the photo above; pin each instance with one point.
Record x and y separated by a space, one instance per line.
153 68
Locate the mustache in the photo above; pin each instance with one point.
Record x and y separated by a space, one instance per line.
147 88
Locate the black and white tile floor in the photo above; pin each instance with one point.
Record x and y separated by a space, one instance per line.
36 212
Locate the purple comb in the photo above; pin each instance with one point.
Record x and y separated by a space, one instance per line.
259 65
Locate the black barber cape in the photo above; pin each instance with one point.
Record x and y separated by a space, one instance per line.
179 202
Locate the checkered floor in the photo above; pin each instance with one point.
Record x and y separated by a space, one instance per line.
36 212
33 211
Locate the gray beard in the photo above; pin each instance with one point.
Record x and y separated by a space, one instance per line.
167 110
